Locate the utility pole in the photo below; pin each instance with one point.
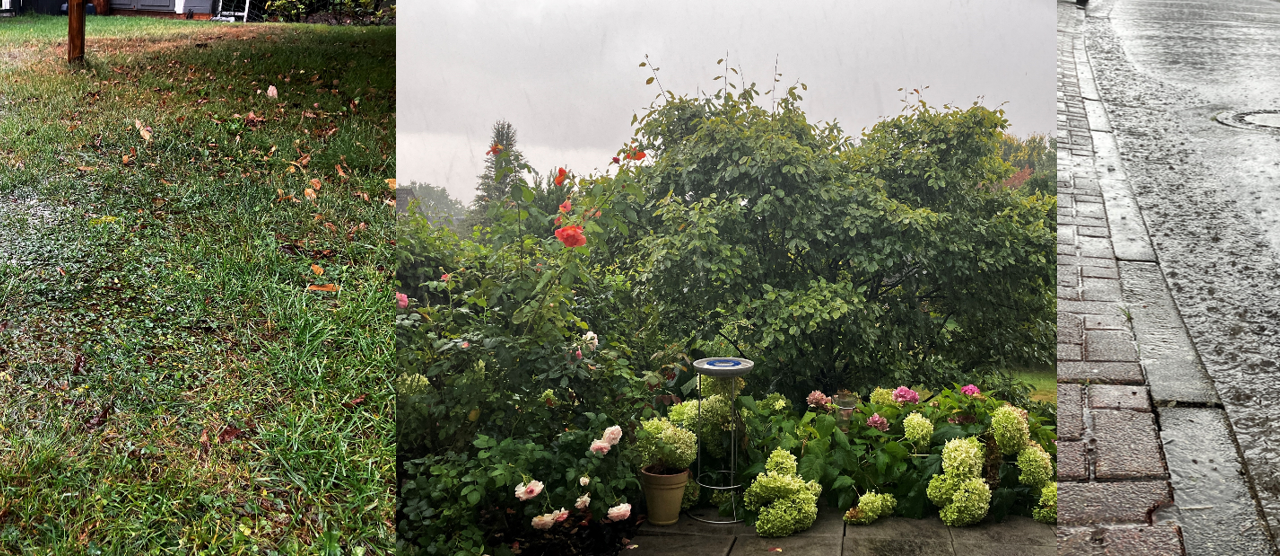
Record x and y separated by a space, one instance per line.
75 31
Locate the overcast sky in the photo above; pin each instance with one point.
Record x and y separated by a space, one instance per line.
565 72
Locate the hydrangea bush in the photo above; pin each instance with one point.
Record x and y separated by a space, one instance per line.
781 503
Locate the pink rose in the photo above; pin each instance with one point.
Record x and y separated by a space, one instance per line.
619 512
444 277
907 395
579 354
544 521
583 501
527 491
559 515
612 435
970 390
402 300
600 447
584 481
875 421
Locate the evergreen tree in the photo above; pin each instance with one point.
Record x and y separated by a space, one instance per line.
501 164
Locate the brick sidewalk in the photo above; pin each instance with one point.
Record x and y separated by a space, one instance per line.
1112 469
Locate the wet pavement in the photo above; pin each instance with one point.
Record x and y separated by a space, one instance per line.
1166 74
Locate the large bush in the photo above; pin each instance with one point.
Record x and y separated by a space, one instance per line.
896 259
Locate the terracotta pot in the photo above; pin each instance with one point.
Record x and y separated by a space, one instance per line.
663 494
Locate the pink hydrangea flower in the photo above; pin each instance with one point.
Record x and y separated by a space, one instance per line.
402 300
526 491
583 501
612 435
875 421
619 512
600 447
907 395
970 390
544 521
818 399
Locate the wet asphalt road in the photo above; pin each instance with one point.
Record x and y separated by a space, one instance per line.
1210 193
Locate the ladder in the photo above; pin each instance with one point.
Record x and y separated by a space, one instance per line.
227 11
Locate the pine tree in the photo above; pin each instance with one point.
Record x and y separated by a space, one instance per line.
500 167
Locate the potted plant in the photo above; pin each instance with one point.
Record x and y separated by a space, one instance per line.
666 451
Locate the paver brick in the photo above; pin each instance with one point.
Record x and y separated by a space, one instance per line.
1100 289
1095 503
1070 352
1114 396
1073 462
1070 329
1128 446
1100 272
1105 322
1109 345
1157 540
1070 411
1107 372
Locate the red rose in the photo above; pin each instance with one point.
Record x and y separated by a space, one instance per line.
571 236
560 177
566 206
558 220
615 160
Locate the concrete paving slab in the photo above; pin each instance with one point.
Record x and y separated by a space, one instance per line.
930 529
1070 411
897 547
1172 367
1099 371
1212 500
1003 550
795 545
1095 503
1127 446
830 522
690 526
1124 218
1014 530
1118 396
686 545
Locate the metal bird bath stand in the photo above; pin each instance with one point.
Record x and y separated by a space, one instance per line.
727 368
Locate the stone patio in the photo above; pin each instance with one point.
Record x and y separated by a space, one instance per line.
829 536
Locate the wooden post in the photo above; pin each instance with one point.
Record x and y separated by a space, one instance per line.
75 31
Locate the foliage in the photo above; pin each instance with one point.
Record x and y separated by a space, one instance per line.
1035 159
438 206
849 265
297 10
779 502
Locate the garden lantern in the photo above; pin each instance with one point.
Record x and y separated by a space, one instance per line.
729 368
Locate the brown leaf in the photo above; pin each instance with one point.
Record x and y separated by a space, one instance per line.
315 184
271 92
339 168
331 227
125 160
310 194
324 288
351 404
86 168
391 184
230 433
100 418
204 440
306 159
316 269
77 368
62 272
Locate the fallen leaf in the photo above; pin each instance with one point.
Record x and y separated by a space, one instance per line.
144 131
100 418
125 159
362 195
230 433
331 227
272 93
324 288
72 128
338 167
204 440
391 202
351 404
77 367
86 168
316 269
315 184
158 202
304 160
310 194
391 184
319 216
62 272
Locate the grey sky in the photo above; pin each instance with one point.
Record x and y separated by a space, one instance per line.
565 72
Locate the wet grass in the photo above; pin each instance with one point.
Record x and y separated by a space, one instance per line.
168 382
1045 382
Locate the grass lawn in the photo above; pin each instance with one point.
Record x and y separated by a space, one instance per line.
169 384
1046 383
